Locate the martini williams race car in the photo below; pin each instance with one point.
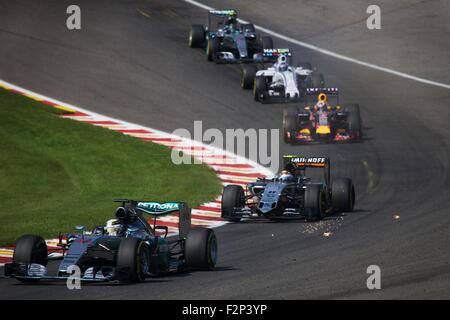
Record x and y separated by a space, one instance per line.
280 82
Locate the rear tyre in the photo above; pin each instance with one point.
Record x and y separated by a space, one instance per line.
233 196
315 202
343 195
248 72
201 249
196 36
30 249
354 121
259 89
133 260
266 43
289 126
212 48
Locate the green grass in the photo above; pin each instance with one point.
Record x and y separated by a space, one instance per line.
57 173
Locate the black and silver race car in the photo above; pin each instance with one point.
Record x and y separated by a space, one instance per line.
227 41
127 249
290 195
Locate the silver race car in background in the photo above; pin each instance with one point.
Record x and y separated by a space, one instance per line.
292 194
227 41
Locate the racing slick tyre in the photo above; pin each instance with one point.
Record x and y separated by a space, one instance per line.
30 249
233 196
317 80
196 36
342 195
212 48
266 43
133 260
248 27
315 202
200 249
259 89
354 121
289 126
248 72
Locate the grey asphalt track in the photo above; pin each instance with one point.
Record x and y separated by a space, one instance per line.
131 61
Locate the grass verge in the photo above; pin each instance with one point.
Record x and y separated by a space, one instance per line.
57 173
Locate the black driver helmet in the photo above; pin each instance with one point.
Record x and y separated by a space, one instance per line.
124 215
231 21
290 167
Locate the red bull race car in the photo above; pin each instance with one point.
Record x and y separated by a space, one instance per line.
322 119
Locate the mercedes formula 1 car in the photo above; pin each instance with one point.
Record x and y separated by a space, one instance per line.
322 119
290 195
227 41
280 82
127 249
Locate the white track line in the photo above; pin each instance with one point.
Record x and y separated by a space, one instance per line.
331 53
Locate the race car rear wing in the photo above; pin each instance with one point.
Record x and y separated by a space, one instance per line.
300 161
316 91
271 55
157 209
298 164
275 53
224 12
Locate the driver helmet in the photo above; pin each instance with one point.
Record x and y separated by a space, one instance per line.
286 176
320 106
112 227
230 21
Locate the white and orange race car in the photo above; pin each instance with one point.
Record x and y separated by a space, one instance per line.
322 119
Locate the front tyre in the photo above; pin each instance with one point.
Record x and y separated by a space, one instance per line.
201 249
196 36
212 48
30 249
233 196
133 260
259 89
248 72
